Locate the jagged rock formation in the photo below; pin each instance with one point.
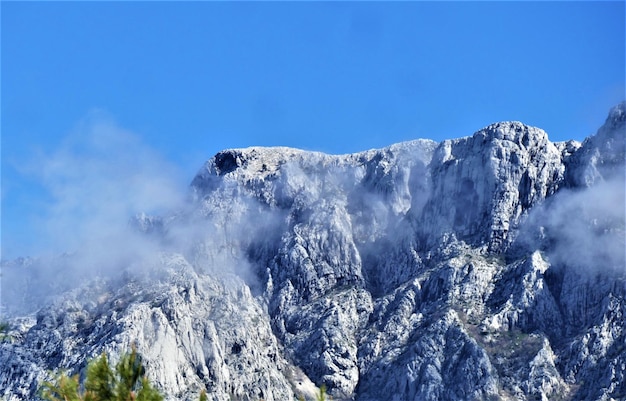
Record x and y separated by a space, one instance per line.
488 267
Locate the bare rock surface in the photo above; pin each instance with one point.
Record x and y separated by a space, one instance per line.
489 267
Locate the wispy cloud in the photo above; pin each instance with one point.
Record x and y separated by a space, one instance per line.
582 228
100 176
97 181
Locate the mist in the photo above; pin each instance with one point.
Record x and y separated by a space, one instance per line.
581 228
117 210
98 178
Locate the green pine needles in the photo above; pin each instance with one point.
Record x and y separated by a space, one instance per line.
127 382
320 396
4 331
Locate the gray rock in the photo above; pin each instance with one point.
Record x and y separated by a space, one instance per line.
486 267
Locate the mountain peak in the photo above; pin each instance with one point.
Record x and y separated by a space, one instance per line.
617 115
516 132
485 267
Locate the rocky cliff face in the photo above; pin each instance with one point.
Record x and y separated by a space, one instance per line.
482 268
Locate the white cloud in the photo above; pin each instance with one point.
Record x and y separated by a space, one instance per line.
582 228
98 178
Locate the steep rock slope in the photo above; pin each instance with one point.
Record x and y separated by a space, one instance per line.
194 331
486 267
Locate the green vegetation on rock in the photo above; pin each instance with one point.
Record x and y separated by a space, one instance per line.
127 382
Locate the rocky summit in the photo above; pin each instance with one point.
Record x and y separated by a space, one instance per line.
490 267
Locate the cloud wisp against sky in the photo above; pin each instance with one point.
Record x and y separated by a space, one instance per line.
98 178
583 228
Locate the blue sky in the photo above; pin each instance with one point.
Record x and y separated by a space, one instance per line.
184 80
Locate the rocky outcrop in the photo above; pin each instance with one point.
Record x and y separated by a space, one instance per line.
194 332
486 267
601 157
485 184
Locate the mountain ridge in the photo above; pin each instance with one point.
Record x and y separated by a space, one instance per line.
485 267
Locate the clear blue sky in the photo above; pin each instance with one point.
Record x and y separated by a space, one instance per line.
192 78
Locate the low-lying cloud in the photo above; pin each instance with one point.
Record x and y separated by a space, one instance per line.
116 207
101 175
96 180
582 228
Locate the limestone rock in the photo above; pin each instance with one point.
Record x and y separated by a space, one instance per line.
486 267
